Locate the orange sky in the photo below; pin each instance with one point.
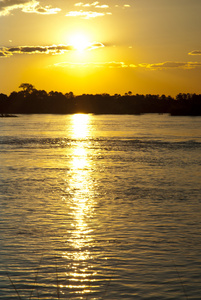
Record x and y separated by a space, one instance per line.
116 46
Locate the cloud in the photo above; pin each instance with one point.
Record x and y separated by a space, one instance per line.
132 66
112 64
2 54
115 64
102 6
53 49
36 8
171 65
27 6
195 52
86 14
123 6
93 46
86 4
93 4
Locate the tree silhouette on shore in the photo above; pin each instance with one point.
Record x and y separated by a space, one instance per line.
29 100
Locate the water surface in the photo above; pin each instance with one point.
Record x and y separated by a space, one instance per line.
100 207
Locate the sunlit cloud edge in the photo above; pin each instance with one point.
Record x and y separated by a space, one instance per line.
114 64
171 65
97 4
87 14
53 49
61 49
93 4
26 6
195 52
124 6
111 64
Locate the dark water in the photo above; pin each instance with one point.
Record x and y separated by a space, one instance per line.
100 207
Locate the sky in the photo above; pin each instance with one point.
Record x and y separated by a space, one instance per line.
106 46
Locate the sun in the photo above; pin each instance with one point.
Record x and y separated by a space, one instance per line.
79 42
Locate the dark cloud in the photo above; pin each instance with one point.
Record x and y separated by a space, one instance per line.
53 49
2 54
41 10
15 49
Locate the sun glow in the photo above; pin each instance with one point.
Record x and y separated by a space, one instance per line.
79 42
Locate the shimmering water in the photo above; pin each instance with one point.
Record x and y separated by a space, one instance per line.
100 207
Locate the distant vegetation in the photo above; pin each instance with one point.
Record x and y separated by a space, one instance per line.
32 101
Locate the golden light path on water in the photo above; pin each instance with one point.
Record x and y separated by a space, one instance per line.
81 191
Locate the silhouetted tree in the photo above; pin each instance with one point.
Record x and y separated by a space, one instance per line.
27 87
69 95
31 100
3 102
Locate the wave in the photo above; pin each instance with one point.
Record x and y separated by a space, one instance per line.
99 142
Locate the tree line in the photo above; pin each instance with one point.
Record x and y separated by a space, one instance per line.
29 100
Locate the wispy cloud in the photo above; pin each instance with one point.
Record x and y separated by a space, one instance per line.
171 65
195 52
95 45
53 49
87 14
27 6
123 6
111 64
93 4
86 4
114 64
102 6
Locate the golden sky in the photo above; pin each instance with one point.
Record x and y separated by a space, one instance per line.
111 46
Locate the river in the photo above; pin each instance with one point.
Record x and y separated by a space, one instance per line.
100 207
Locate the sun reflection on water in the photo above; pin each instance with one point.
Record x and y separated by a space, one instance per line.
81 191
80 126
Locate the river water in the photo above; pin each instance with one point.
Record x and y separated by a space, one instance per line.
100 207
